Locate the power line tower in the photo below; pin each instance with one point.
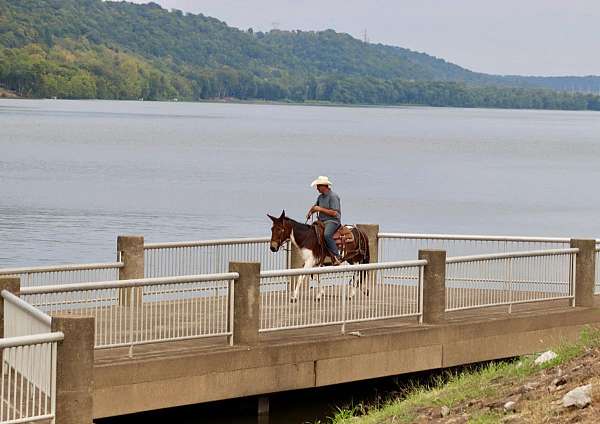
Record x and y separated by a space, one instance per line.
365 37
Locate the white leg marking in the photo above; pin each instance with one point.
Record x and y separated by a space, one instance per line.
309 262
320 291
353 283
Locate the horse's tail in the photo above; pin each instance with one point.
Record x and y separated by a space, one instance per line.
362 245
367 254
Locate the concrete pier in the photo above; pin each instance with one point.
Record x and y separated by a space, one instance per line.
196 372
268 344
75 369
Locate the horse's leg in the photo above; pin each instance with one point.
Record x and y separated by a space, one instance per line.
355 280
295 281
301 280
309 262
353 283
361 257
359 279
364 281
321 290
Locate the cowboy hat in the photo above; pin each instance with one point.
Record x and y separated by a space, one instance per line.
321 180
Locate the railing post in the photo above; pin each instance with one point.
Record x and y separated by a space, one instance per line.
585 271
246 303
131 250
13 285
372 231
74 369
434 286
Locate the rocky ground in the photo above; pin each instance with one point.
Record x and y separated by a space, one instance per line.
537 398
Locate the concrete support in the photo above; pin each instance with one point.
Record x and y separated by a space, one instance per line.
372 231
585 272
434 286
263 406
131 249
246 303
13 285
74 369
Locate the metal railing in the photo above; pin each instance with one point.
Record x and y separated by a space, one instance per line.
311 297
27 391
65 274
510 278
23 319
28 387
209 256
149 310
404 246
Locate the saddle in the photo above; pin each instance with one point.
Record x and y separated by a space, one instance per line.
343 236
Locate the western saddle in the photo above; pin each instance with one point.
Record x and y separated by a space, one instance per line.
343 236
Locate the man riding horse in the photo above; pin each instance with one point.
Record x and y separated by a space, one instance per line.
329 213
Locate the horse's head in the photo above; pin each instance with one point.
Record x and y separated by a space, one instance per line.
280 231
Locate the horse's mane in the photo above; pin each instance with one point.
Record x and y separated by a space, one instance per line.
295 223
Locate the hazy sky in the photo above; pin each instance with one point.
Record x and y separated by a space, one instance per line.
527 37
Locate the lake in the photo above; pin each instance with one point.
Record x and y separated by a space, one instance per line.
75 174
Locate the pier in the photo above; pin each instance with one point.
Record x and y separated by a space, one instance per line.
180 323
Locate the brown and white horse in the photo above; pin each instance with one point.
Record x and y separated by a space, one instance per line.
312 248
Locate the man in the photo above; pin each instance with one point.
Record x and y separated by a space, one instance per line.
329 213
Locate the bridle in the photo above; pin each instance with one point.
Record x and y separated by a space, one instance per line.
287 240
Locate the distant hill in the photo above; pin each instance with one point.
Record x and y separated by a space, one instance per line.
119 50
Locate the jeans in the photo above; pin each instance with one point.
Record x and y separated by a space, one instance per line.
330 228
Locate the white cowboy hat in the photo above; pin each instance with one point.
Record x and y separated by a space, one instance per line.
321 180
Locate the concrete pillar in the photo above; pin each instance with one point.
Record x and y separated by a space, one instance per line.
13 285
585 272
131 249
246 303
132 255
263 406
74 369
372 231
434 286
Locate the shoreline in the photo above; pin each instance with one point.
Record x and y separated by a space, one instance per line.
10 95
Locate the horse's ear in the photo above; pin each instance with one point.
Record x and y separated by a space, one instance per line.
272 218
282 214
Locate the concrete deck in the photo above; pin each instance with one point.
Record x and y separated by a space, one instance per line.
195 371
205 315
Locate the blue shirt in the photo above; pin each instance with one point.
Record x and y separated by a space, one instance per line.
330 201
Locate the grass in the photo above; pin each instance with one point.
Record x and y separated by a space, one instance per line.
453 388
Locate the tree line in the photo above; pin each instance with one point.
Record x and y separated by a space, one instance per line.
87 49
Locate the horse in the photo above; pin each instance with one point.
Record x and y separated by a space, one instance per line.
309 240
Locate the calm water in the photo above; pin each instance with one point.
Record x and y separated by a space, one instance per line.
75 174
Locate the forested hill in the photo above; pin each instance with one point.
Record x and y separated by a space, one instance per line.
119 50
